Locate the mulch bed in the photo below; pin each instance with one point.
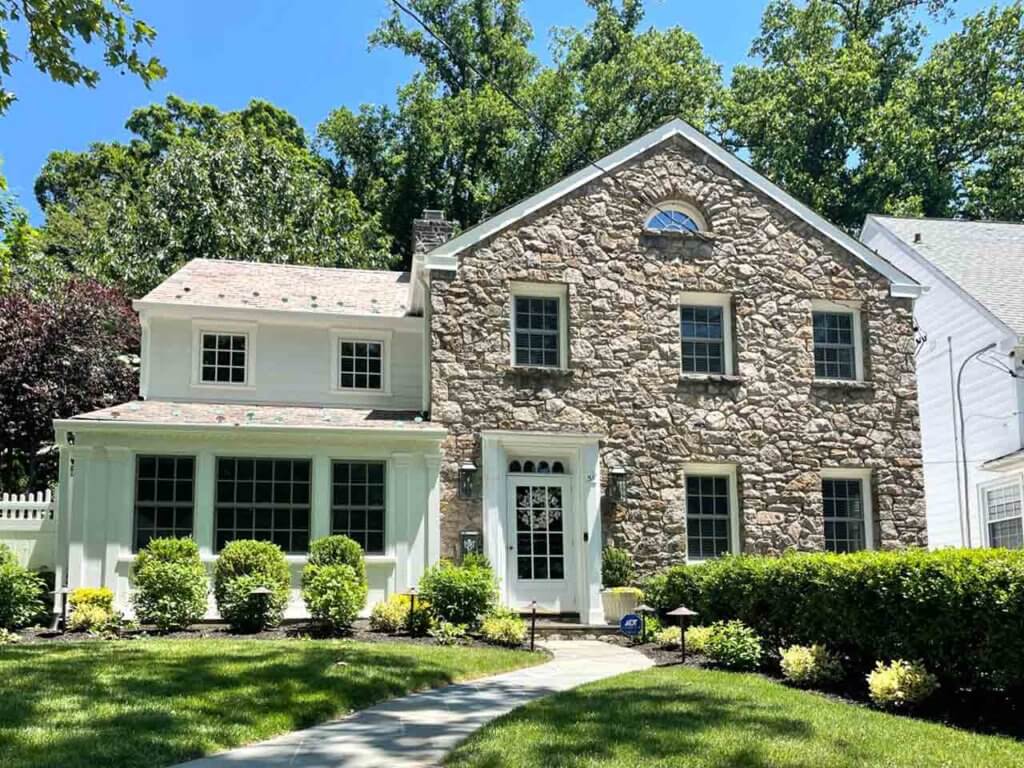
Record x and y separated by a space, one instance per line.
992 712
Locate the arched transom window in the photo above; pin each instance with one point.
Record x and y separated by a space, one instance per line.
675 217
536 466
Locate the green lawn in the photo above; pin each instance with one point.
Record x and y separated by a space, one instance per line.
155 702
691 718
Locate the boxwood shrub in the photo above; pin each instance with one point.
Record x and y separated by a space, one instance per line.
459 594
959 611
242 566
170 584
334 581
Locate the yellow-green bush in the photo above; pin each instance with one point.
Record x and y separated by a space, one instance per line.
808 665
733 645
392 615
697 639
900 684
668 637
92 609
504 628
100 597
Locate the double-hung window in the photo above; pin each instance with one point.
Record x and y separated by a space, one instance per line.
164 497
223 358
263 499
361 365
358 503
539 326
1003 516
711 515
705 334
837 342
846 500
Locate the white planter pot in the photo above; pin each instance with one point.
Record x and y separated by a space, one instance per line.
618 604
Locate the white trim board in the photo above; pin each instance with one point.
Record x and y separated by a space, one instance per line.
444 257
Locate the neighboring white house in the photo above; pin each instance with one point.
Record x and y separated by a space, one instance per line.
277 402
974 274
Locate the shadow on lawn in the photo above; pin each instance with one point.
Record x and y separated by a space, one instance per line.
627 721
151 706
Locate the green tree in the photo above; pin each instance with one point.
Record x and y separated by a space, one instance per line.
197 182
484 124
54 26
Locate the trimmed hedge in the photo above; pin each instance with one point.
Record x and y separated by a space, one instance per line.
170 584
242 566
960 611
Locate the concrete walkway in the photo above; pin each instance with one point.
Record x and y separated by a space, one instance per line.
419 730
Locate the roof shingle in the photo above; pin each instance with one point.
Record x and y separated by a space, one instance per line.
985 258
285 287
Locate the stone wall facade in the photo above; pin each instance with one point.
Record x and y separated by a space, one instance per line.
772 420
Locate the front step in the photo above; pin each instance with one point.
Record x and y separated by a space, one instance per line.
567 626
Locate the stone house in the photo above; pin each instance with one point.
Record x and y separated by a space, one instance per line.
663 350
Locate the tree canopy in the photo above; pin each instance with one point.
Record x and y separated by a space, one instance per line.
53 26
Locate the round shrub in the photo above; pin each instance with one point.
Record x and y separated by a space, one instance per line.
90 618
808 665
504 628
668 637
20 591
243 566
334 594
459 594
170 584
338 550
900 684
448 633
99 597
697 639
733 645
392 616
616 567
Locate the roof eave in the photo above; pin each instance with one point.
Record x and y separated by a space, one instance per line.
105 425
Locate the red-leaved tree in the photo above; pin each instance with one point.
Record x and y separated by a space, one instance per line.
73 351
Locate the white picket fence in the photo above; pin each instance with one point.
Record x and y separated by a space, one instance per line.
28 525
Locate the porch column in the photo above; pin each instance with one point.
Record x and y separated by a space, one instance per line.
591 610
401 519
119 513
432 464
320 521
203 503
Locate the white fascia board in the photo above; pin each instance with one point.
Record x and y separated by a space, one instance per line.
434 434
410 323
873 223
445 255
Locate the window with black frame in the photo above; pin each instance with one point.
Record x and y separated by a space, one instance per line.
536 331
263 499
358 503
708 517
843 501
164 497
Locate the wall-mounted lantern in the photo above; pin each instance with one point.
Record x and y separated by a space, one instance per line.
617 486
467 480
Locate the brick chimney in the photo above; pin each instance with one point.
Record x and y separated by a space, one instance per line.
430 230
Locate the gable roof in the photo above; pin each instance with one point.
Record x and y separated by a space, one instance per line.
445 255
224 283
985 259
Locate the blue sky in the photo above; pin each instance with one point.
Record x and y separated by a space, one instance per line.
307 56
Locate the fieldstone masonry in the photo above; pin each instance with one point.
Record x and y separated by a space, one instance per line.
772 420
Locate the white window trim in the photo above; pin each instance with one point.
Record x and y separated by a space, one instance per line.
717 470
383 337
864 476
993 485
200 327
676 205
847 308
700 299
558 291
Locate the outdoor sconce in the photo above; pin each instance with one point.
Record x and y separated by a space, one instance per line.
617 484
467 480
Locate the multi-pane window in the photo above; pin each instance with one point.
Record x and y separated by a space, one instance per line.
164 492
670 220
360 364
1004 517
844 514
834 346
540 532
357 503
707 516
264 499
223 358
536 331
703 339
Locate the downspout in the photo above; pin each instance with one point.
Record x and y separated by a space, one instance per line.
956 443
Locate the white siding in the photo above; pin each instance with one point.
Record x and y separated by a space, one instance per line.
291 364
991 398
100 524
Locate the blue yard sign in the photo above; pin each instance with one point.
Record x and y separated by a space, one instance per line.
631 625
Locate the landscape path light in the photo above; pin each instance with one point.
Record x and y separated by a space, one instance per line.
683 613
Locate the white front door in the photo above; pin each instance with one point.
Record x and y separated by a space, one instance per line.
541 561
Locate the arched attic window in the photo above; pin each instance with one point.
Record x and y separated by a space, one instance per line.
675 217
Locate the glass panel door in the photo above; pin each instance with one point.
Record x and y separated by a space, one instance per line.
540 536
